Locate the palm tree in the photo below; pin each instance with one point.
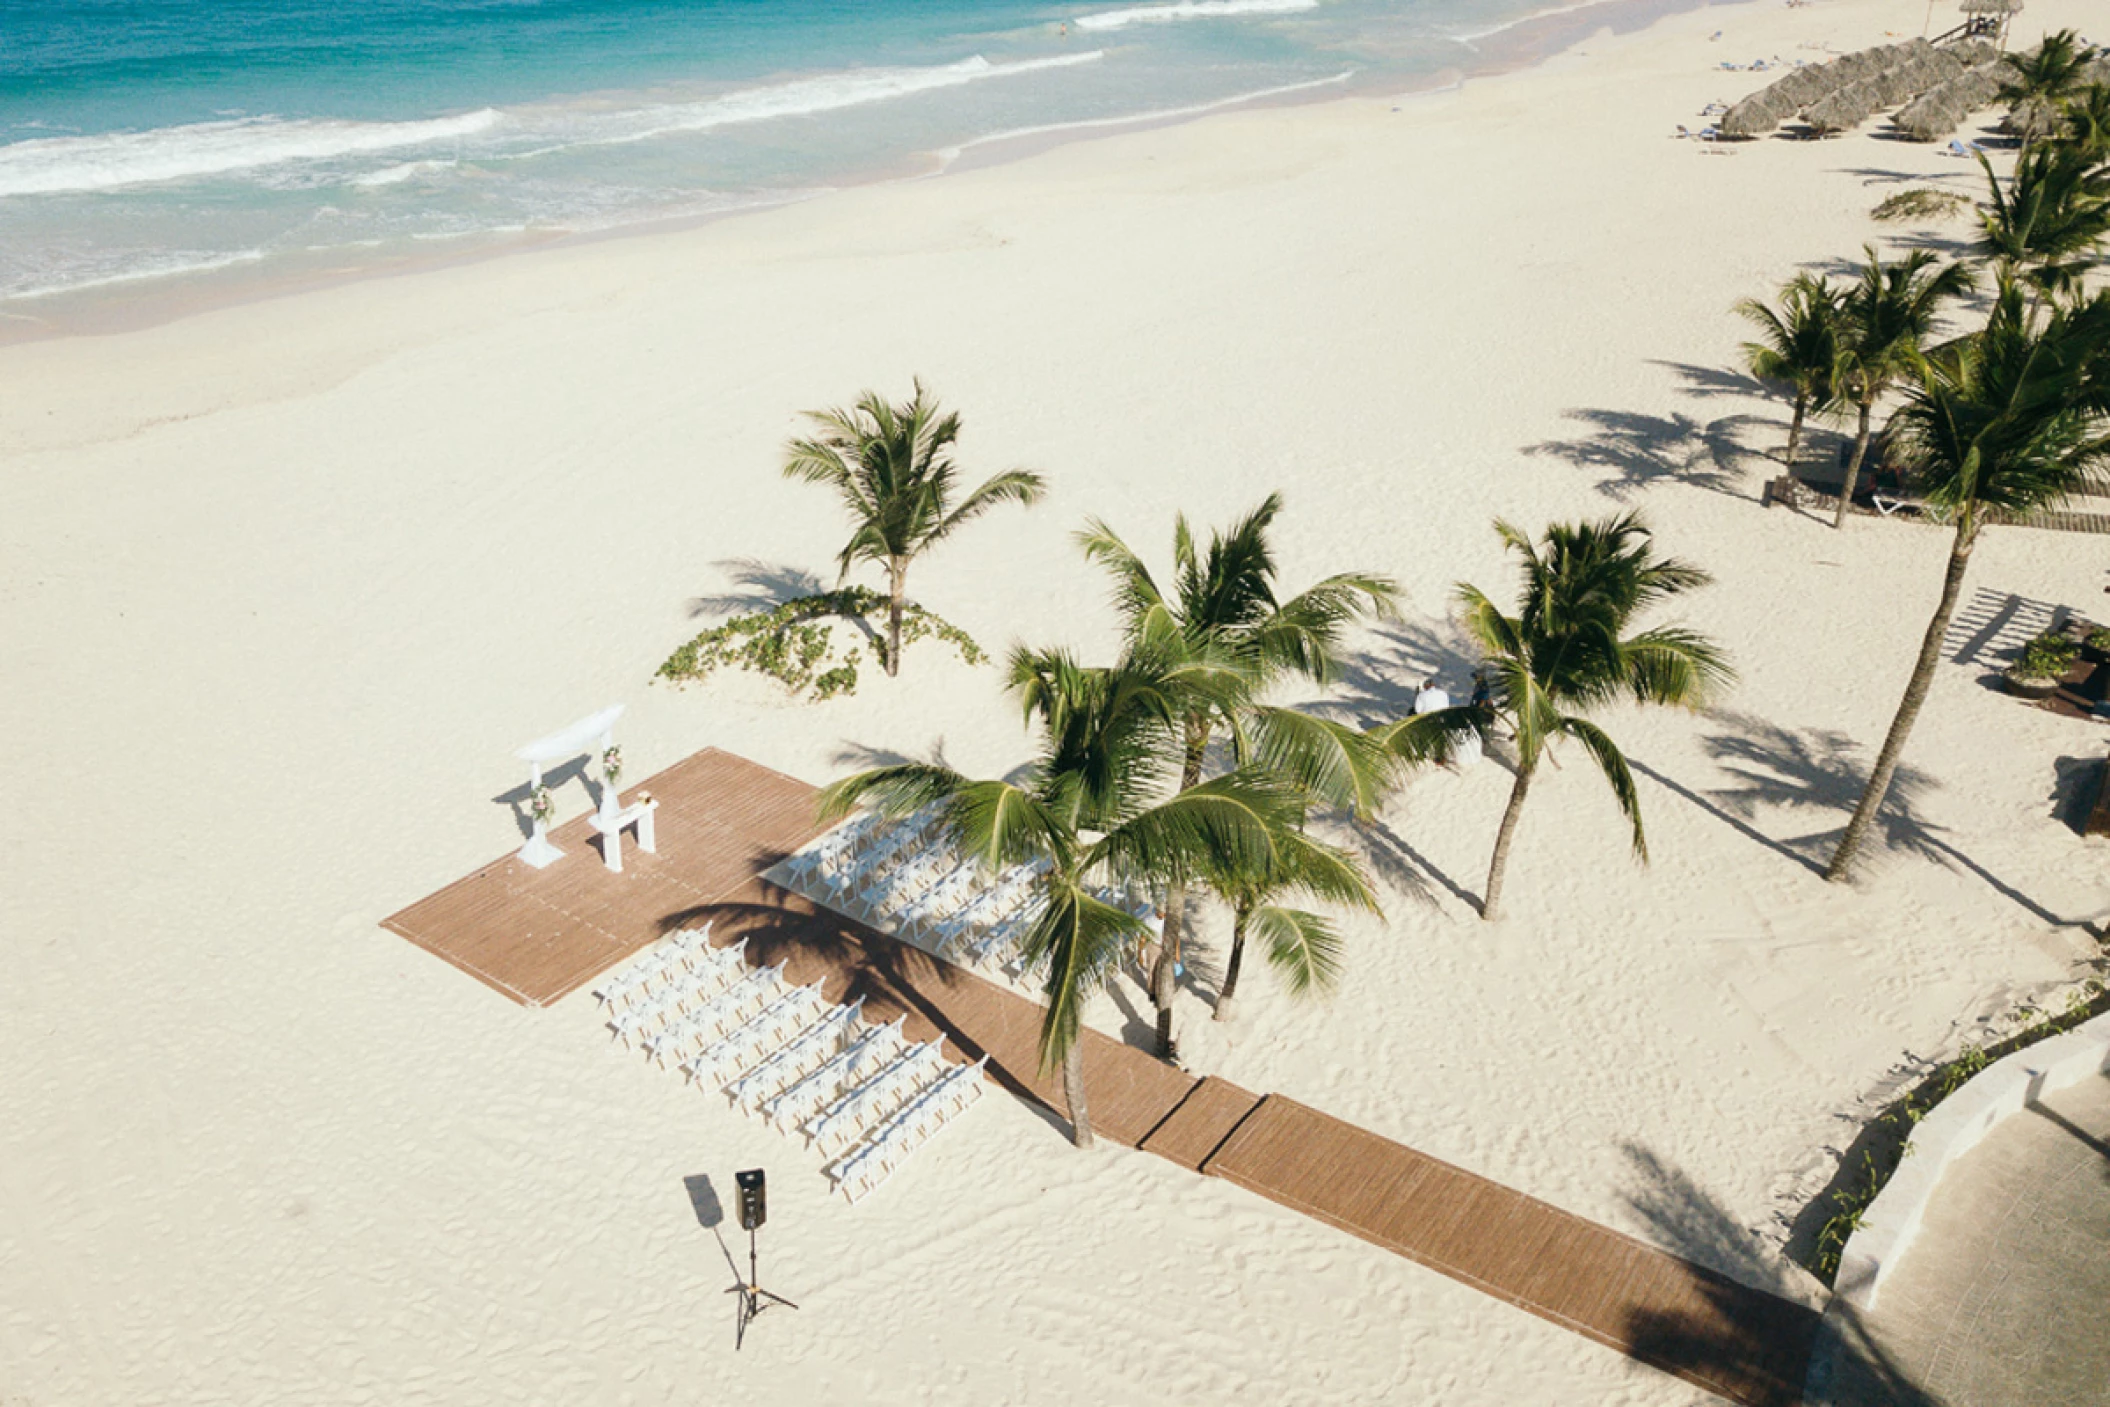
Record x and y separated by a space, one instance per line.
1798 347
2042 81
1097 810
892 467
1223 608
2051 219
1302 945
1567 650
1885 318
2088 126
2017 419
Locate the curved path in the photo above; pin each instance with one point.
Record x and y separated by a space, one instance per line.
1999 1300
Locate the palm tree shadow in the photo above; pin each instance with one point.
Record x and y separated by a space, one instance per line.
1704 382
1637 452
1399 864
1780 769
756 586
1772 1342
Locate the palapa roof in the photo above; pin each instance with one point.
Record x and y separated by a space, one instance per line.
1991 7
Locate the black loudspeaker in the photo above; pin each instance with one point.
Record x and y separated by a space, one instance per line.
754 1200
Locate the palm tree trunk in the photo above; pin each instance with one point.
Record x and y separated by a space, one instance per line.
1853 466
1802 408
1230 987
1909 707
1491 906
897 580
1073 1094
1164 976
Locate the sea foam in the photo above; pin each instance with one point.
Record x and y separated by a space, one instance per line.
54 165
1190 10
803 97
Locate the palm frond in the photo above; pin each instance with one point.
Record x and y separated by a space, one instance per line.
1304 947
1612 763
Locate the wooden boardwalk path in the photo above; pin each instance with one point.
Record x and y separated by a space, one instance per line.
536 935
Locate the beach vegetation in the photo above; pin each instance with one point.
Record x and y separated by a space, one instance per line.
1219 613
2011 421
892 468
811 644
1923 203
2040 82
1798 348
1886 1141
1887 315
1098 811
1570 648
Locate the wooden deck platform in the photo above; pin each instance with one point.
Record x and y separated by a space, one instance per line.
1743 1344
537 934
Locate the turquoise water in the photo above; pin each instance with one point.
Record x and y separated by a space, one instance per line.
146 142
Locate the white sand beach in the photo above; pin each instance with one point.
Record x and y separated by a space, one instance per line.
285 583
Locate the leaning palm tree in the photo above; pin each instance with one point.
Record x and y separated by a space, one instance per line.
1222 608
1566 651
2049 222
2016 420
1096 812
1798 347
892 467
1303 946
1886 317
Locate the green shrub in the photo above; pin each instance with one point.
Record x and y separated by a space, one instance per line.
2099 640
796 643
1922 203
2048 656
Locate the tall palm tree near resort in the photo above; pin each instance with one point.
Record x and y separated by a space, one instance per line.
1097 810
1220 604
1885 319
1566 651
1798 347
2016 419
2048 223
892 467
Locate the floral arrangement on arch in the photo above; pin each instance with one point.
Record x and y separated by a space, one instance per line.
542 807
612 763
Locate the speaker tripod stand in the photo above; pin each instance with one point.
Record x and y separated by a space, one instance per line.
753 1298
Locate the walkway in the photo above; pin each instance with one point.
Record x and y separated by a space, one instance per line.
535 935
1998 1302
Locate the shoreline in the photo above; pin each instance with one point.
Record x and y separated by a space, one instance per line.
132 304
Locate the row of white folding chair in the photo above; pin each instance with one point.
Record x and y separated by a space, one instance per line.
956 933
832 847
705 981
760 1033
1004 935
713 1018
899 839
902 883
908 1129
860 1106
957 890
810 1092
799 1056
662 962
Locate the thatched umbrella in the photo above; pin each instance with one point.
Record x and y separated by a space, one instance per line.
1929 117
1847 108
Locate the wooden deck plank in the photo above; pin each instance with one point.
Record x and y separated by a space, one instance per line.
1199 1124
1742 1343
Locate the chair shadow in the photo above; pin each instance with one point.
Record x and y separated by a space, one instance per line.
518 797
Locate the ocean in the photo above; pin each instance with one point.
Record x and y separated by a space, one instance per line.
145 142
